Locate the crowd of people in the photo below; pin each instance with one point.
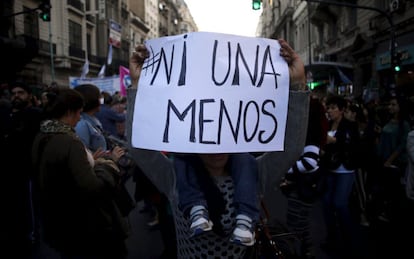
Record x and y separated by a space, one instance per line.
362 176
63 179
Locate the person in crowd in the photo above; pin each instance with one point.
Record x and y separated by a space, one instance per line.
301 183
120 107
392 155
89 128
355 112
4 96
19 123
410 171
407 213
339 163
80 213
161 169
198 177
43 98
410 153
108 116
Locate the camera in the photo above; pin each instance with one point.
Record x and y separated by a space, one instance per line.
125 162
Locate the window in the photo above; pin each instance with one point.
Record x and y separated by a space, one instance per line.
89 43
31 22
333 30
352 16
75 35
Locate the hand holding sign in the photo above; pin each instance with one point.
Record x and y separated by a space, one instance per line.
135 63
296 67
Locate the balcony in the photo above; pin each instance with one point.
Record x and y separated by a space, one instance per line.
96 60
140 24
76 4
322 14
90 18
22 48
76 52
44 47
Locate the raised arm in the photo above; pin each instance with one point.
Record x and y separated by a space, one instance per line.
157 167
273 165
135 63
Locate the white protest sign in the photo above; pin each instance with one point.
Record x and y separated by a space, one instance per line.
211 93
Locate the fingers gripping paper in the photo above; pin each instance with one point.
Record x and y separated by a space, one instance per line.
211 93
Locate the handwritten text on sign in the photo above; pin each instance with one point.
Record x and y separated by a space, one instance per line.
211 93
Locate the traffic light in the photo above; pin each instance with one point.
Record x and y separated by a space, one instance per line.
313 85
256 4
396 62
45 10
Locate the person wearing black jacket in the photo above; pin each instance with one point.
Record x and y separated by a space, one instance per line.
339 163
19 123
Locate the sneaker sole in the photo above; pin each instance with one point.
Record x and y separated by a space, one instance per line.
198 231
238 241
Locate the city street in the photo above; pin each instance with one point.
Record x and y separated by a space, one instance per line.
146 243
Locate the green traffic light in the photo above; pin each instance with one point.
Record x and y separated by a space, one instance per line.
45 17
397 68
44 8
313 85
256 4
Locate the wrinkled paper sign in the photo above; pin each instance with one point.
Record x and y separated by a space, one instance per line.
207 92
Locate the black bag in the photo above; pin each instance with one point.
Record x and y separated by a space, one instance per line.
123 199
273 241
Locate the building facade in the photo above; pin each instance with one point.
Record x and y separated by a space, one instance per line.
354 34
42 52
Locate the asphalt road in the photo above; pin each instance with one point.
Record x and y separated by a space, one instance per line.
146 242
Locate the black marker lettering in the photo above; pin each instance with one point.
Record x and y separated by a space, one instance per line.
248 139
213 68
180 116
270 114
201 121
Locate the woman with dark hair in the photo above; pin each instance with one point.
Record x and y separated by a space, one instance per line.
339 163
80 217
89 128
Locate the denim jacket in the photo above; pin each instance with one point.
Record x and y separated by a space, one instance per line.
90 131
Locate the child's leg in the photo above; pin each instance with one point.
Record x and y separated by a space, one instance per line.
191 199
244 170
189 192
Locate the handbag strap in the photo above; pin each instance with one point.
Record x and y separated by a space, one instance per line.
265 229
265 211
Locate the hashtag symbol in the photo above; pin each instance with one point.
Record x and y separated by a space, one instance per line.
151 61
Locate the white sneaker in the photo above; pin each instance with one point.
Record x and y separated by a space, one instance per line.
242 233
200 221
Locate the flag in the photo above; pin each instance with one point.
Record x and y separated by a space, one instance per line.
125 80
343 77
85 68
102 71
109 60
